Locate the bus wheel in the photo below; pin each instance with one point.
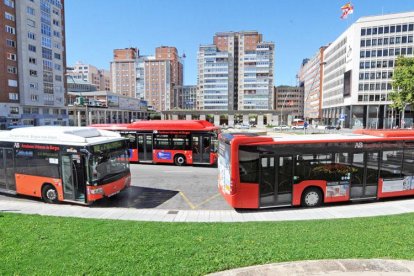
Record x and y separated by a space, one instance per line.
49 194
312 197
179 160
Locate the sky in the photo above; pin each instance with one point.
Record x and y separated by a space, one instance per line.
94 28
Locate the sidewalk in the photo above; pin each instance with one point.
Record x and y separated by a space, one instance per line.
351 267
286 214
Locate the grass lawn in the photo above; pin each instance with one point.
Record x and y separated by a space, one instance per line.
32 244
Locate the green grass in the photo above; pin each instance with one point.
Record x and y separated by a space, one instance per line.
32 244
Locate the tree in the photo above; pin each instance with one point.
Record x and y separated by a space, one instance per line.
403 84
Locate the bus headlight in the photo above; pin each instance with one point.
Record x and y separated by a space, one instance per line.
98 191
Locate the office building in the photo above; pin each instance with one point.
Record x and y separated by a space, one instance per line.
184 97
358 70
236 73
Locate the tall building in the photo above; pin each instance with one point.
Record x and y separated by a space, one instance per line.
289 102
33 64
100 78
236 72
310 76
358 70
123 71
162 73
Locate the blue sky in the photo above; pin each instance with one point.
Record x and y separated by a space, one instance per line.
298 28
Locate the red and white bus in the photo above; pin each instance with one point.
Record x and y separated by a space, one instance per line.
70 164
308 170
169 141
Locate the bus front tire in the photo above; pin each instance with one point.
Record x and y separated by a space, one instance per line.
312 197
49 194
179 160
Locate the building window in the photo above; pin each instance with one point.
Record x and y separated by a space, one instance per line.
9 16
57 56
33 85
32 60
9 3
10 30
12 69
11 56
33 73
11 43
31 23
30 11
12 83
32 48
14 96
14 110
31 35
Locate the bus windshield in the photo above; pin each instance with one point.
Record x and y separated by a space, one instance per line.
106 165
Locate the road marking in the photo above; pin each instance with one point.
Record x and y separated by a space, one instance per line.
187 201
207 200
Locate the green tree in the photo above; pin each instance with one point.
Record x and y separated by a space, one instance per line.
403 84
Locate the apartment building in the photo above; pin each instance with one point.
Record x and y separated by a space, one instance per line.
161 73
358 70
310 76
100 78
123 71
32 68
236 72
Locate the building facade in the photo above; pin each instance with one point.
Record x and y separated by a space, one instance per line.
184 97
310 76
123 71
289 103
358 72
236 73
32 70
100 78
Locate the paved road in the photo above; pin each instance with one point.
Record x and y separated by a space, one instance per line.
164 187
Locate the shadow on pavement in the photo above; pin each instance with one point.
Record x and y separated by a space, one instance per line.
137 197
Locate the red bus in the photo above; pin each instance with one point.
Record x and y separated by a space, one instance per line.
308 170
169 141
70 164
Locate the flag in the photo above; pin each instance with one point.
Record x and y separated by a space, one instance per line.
346 10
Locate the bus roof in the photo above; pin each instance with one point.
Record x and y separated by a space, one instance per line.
59 135
357 136
189 125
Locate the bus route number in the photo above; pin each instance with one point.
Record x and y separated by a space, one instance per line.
359 145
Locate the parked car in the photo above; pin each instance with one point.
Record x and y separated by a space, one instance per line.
281 127
298 127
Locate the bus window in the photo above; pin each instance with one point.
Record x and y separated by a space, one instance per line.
181 142
249 166
391 164
162 141
408 163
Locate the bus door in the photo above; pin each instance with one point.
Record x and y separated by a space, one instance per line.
364 181
201 145
7 180
74 177
144 147
275 180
